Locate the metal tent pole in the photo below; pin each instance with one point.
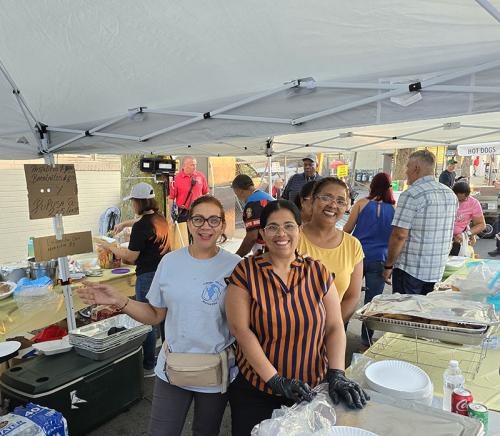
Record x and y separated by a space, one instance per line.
62 262
270 173
353 168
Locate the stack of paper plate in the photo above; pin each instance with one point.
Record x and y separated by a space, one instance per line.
399 379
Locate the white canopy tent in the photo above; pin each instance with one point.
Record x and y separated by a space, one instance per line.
205 78
220 80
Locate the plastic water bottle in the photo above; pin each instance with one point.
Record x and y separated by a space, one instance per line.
31 247
452 379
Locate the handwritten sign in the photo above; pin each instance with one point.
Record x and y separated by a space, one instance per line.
48 247
342 171
51 190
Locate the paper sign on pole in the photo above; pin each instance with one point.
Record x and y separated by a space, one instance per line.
51 190
484 148
275 167
342 170
48 247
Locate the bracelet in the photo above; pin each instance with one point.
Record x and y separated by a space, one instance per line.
388 266
119 309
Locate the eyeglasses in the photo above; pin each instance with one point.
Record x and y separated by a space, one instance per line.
213 221
329 199
273 229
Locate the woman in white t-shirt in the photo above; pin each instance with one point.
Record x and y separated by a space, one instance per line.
187 292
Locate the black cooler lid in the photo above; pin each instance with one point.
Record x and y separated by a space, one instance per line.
42 374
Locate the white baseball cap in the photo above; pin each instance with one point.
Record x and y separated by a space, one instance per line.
141 191
311 157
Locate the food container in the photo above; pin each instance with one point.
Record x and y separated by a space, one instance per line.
13 272
43 269
33 299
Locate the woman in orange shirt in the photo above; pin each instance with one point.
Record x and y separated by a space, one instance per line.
283 309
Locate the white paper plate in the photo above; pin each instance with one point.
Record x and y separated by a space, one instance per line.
398 378
349 431
54 347
9 347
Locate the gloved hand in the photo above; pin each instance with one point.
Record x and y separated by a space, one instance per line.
339 386
292 389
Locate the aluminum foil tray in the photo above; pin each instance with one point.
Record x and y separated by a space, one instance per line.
113 352
455 335
98 347
434 307
99 330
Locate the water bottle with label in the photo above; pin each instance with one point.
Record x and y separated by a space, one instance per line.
452 379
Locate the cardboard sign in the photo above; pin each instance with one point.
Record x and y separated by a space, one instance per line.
482 149
48 247
51 190
342 170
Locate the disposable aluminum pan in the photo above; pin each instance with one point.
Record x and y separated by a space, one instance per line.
112 352
99 330
454 335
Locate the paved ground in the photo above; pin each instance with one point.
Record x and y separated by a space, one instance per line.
134 422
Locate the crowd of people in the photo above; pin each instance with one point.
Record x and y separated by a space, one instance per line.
275 320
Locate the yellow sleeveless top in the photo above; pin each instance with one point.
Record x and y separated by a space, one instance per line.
340 260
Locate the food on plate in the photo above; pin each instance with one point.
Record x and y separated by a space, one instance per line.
4 288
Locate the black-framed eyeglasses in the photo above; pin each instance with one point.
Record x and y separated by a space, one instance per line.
329 199
213 221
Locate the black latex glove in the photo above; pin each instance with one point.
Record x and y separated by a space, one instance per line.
339 386
292 389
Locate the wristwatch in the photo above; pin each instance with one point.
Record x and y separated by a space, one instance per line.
388 266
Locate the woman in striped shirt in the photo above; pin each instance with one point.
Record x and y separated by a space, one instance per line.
284 312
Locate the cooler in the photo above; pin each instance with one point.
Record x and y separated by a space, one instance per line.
87 392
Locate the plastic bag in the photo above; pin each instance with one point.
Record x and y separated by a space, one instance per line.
479 280
33 299
314 418
107 260
465 249
33 420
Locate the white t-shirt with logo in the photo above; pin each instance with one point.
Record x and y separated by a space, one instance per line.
193 291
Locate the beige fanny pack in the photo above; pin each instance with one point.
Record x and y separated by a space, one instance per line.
199 369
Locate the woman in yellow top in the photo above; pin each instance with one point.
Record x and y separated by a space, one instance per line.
340 252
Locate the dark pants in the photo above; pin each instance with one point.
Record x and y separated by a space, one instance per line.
455 248
249 406
142 285
374 285
404 283
171 405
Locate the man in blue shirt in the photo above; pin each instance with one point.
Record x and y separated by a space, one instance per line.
294 185
255 201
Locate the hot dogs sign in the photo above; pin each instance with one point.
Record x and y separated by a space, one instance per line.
485 148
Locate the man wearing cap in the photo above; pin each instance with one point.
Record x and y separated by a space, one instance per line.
294 185
447 177
255 201
187 186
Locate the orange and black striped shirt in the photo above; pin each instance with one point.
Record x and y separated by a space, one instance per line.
288 319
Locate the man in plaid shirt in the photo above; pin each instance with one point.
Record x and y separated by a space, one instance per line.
422 229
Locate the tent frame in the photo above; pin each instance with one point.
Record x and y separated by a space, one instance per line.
433 84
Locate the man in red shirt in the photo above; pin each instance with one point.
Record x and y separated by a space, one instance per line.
187 186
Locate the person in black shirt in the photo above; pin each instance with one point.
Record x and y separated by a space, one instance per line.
149 242
447 177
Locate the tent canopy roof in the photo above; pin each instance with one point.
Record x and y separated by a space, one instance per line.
81 65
